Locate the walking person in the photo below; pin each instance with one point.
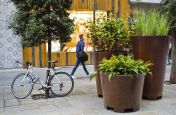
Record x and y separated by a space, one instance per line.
169 55
79 50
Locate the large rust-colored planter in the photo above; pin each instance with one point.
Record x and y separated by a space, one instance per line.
122 93
98 56
154 49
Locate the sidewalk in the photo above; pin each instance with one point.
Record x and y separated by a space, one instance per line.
82 101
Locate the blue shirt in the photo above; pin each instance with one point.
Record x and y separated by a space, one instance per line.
79 47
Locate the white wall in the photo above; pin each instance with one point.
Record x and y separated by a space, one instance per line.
150 1
10 47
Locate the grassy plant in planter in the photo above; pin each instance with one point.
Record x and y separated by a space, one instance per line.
122 82
151 23
151 43
110 37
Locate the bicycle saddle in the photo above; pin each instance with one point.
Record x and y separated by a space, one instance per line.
28 63
52 61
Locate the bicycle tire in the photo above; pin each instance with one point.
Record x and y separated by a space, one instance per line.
13 90
65 76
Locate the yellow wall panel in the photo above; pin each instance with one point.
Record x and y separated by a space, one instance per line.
125 9
70 57
37 62
103 5
27 55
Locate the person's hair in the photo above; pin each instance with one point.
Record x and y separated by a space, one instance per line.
81 36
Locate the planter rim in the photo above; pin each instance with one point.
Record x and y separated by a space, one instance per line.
126 75
151 36
106 51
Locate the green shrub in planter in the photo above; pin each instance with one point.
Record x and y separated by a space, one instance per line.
122 82
110 34
124 65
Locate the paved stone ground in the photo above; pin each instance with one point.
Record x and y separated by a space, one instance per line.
82 101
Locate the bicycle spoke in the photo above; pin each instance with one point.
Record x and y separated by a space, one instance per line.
61 84
22 86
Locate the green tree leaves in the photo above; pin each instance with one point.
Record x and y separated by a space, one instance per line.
169 7
39 20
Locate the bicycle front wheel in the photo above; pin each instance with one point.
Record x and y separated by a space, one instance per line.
61 84
22 86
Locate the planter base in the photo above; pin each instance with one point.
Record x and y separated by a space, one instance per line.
100 95
152 98
122 110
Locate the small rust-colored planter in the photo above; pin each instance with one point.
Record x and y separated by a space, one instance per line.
154 49
122 93
98 56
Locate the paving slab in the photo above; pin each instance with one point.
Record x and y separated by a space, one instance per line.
1 103
26 112
22 108
52 113
1 89
26 101
1 96
8 95
56 100
11 102
48 108
63 104
1 110
42 102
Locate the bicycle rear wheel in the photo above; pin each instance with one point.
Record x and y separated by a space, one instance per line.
22 86
61 84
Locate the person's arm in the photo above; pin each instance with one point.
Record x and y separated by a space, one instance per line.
82 47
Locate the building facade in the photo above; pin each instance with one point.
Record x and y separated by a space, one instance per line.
10 47
81 11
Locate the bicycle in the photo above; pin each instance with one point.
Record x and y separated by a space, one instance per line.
59 83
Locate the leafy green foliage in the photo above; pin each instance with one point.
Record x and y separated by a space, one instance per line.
42 20
110 34
124 65
169 7
151 23
92 75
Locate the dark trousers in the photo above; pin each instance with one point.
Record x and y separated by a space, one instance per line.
169 57
76 66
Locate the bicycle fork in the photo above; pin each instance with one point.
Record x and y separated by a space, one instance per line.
24 79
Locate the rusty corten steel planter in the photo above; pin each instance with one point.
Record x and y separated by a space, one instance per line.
122 93
154 49
98 56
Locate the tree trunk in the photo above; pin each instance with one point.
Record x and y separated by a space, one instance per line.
49 65
173 66
33 55
62 45
112 8
40 54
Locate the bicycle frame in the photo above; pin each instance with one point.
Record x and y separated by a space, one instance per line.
51 73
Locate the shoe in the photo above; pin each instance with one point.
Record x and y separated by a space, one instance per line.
73 77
